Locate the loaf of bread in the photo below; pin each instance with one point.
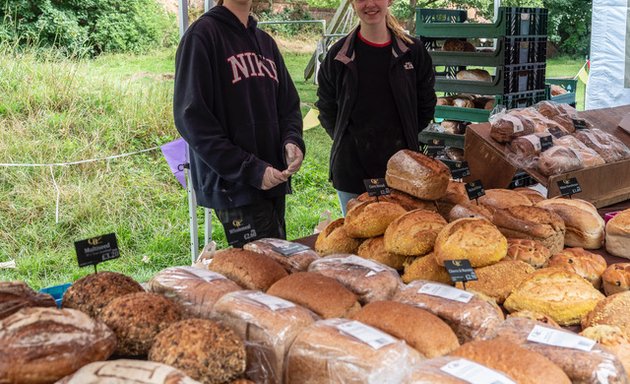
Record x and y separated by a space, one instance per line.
470 315
248 269
457 45
417 175
91 293
452 127
609 147
455 194
613 310
203 349
127 371
614 340
589 157
522 222
367 279
268 325
527 146
444 101
503 198
532 252
371 219
42 345
507 126
498 280
533 195
425 268
469 210
137 318
321 294
474 75
584 226
15 295
562 114
537 316
347 351
463 103
559 159
618 235
195 289
294 257
589 265
374 249
334 239
414 233
616 278
403 199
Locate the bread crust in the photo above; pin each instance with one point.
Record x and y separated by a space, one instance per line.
613 310
295 262
15 295
122 371
417 175
498 280
616 278
532 252
584 225
335 239
371 219
425 268
525 222
374 249
248 269
502 198
414 233
618 235
401 198
589 265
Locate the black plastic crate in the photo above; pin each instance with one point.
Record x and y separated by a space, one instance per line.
521 21
522 99
525 50
524 77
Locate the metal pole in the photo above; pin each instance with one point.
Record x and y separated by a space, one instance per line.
207 4
497 4
182 12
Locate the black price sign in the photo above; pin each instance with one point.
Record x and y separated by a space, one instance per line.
291 249
460 270
97 249
580 124
240 230
376 187
569 187
474 189
556 132
546 142
434 147
459 169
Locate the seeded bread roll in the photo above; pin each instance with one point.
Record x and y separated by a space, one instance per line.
280 251
425 268
616 278
498 280
417 175
248 269
613 310
589 265
42 345
93 292
374 249
335 239
469 210
618 235
614 340
502 198
403 199
584 225
532 252
523 222
205 350
370 219
127 371
15 295
414 233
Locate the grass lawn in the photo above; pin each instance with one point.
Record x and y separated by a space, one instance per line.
53 110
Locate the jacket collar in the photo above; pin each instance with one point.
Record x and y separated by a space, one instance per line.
346 53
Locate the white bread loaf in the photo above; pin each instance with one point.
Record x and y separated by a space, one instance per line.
584 225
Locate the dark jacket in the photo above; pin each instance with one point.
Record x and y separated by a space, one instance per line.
412 81
236 106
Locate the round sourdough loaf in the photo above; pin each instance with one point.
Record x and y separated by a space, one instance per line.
371 219
374 249
203 349
531 252
248 269
498 280
417 175
42 345
502 198
425 268
613 310
195 289
136 319
469 210
335 239
618 234
292 262
589 265
414 233
127 371
93 292
616 278
401 198
15 295
584 225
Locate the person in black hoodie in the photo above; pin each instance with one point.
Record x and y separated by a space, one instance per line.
376 93
237 108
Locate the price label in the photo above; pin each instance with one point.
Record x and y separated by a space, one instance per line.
546 142
580 124
459 169
474 373
271 302
366 334
376 187
460 270
290 249
569 187
434 147
240 230
97 249
446 292
556 132
474 189
549 336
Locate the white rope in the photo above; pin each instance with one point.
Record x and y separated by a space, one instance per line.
52 173
77 162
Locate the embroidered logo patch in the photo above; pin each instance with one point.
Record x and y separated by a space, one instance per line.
408 65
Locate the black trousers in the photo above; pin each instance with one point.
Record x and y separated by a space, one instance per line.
262 219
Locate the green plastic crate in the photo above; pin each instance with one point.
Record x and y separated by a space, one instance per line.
475 115
450 140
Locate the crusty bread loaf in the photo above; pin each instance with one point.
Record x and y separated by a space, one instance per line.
127 371
508 126
458 45
474 75
502 198
618 235
401 198
268 325
15 295
42 345
614 340
522 222
434 338
204 349
525 366
477 240
589 265
537 316
371 219
417 175
613 310
470 318
532 252
248 269
93 292
277 249
498 280
329 351
533 195
425 268
469 210
564 296
584 225
616 278
367 279
321 294
434 371
455 194
334 239
137 318
195 289
414 233
374 249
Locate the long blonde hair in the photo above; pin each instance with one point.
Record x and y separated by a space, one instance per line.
394 25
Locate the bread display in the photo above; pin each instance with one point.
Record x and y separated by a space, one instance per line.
532 252
533 195
559 159
470 315
374 249
137 318
347 351
414 233
127 371
203 349
564 296
268 325
417 175
334 239
93 292
507 126
584 226
434 338
294 257
474 75
609 147
370 219
498 280
15 295
425 268
539 317
321 294
42 345
618 235
403 199
477 240
532 223
367 279
469 210
589 265
614 340
502 198
248 269
613 310
616 278
195 289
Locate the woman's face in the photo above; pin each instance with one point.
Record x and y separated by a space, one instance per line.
371 12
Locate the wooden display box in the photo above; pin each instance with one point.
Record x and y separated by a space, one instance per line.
601 185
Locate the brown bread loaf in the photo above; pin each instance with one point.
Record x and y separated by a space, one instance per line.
613 310
612 339
414 233
584 226
609 147
455 194
589 265
281 251
469 210
616 278
523 222
425 268
335 239
537 316
15 295
248 269
127 371
502 198
434 371
533 195
498 280
417 175
532 252
474 75
374 249
589 157
509 126
618 235
403 199
559 159
371 219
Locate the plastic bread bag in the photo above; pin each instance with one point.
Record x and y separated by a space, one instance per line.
559 159
590 158
471 315
294 257
454 370
368 279
606 145
582 359
268 325
505 126
340 351
128 371
197 290
563 114
542 124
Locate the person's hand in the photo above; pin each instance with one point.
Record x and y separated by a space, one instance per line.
271 178
293 156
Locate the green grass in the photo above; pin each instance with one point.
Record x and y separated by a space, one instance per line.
56 110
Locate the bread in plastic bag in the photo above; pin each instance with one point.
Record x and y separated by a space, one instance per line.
436 371
505 126
589 157
127 371
606 145
559 159
294 257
